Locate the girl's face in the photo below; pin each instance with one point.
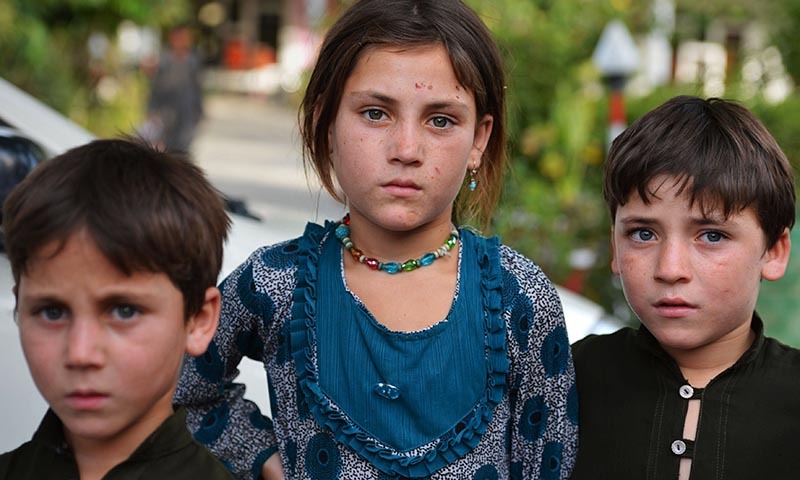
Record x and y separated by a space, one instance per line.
404 137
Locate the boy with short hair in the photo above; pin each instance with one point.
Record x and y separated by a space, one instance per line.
702 201
115 250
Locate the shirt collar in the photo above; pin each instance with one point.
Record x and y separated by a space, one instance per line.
648 342
170 436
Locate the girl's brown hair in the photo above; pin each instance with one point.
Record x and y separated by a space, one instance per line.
475 59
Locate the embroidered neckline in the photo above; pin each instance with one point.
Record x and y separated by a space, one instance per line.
456 442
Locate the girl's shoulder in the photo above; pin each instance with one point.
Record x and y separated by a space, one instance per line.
286 254
511 261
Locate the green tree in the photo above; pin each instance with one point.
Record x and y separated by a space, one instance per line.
557 114
557 118
43 49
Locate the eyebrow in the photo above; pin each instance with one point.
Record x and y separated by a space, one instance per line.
437 105
39 298
644 220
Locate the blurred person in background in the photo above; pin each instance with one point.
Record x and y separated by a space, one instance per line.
175 105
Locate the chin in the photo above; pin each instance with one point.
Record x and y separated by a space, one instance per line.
675 337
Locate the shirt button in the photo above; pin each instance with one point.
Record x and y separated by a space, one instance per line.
686 391
387 391
678 447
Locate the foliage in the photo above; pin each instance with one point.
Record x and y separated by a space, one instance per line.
43 50
558 118
557 123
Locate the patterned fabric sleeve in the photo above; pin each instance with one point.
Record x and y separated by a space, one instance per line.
543 431
219 417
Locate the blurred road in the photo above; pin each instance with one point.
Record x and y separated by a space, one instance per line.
250 146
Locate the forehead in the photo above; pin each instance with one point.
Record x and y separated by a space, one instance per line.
670 200
419 68
676 189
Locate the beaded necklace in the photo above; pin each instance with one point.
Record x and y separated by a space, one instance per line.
343 234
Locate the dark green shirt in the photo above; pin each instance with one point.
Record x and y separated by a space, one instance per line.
633 401
169 453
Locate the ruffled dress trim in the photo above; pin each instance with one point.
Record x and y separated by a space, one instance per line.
465 435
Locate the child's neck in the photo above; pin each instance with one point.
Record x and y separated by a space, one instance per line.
701 365
96 457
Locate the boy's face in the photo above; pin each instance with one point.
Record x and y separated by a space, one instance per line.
105 349
692 279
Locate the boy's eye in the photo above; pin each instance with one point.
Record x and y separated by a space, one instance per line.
642 235
52 314
713 237
125 312
374 114
441 122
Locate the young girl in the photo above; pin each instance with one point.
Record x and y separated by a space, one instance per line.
395 344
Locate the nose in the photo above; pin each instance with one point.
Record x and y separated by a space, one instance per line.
85 344
407 143
673 264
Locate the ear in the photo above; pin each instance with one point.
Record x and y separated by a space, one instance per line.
614 264
483 131
777 258
201 326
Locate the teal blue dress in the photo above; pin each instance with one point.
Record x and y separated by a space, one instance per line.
486 393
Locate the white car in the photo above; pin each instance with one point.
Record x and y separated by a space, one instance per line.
21 406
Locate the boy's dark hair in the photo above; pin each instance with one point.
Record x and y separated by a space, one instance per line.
147 210
475 59
716 149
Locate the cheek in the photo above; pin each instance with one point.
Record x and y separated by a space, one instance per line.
38 349
44 362
625 264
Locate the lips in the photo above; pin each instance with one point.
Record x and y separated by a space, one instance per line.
401 187
86 399
674 307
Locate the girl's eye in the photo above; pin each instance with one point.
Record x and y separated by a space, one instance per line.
642 235
125 312
374 114
441 122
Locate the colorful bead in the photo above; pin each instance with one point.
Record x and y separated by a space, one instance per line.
411 264
390 267
343 234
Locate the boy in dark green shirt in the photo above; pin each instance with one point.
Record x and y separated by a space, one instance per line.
702 201
115 249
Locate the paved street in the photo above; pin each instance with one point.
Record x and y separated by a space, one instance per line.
250 147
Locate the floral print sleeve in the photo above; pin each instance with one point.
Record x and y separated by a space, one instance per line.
219 417
543 426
